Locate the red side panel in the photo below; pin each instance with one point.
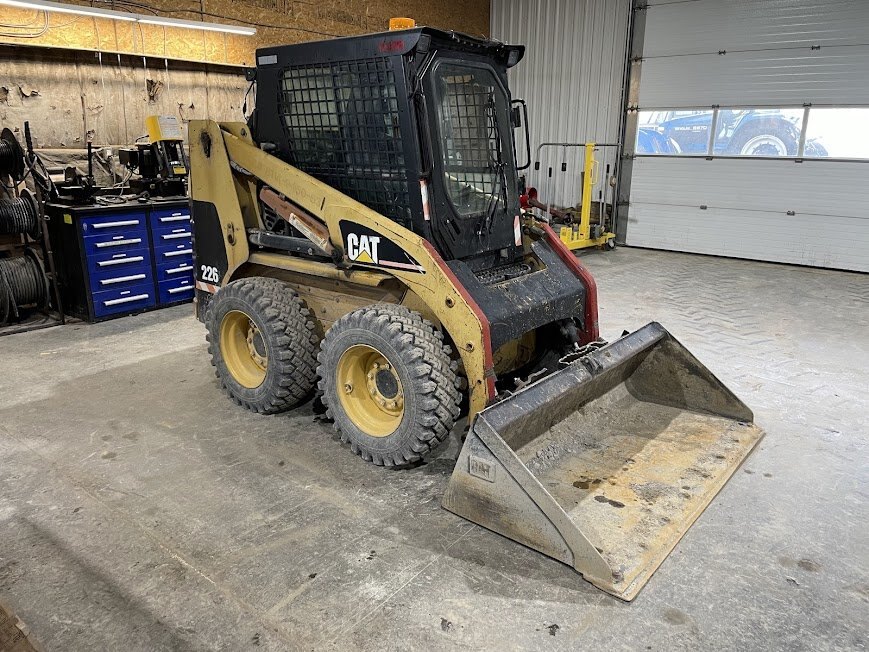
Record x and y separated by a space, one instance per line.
489 371
591 332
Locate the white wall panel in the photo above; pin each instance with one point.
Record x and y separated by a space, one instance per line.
771 77
570 77
747 209
742 234
808 188
707 26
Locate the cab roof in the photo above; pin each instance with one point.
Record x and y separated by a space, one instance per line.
398 42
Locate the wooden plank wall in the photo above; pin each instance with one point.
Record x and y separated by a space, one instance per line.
67 94
277 22
72 75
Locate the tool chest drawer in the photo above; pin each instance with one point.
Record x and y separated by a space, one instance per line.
173 231
113 224
167 239
169 215
175 290
121 278
125 281
111 263
182 268
114 242
171 254
124 300
163 220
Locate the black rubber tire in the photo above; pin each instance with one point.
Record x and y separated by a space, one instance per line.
609 245
289 336
428 376
762 128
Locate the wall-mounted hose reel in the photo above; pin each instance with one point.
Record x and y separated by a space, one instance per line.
22 283
11 156
20 215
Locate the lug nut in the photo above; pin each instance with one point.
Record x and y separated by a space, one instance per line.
348 388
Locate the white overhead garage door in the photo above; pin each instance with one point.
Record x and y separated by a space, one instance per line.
753 130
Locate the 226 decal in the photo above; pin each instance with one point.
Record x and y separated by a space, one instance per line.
209 274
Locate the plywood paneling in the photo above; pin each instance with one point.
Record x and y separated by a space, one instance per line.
65 95
277 22
94 75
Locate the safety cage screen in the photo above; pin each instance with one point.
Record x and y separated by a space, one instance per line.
342 125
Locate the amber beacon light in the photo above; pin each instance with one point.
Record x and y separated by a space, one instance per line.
401 23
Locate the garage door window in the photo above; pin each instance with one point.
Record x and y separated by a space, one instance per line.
786 132
838 133
758 132
674 132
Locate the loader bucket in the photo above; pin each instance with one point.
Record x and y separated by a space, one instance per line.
606 463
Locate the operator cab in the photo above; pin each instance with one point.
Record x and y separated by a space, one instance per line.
415 124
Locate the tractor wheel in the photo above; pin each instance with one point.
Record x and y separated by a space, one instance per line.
388 383
765 138
262 343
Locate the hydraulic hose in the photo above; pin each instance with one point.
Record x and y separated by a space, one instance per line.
19 215
22 283
11 156
8 157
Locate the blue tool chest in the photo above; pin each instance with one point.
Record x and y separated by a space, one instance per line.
172 235
121 259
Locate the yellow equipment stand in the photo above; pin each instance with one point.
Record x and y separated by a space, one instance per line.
578 236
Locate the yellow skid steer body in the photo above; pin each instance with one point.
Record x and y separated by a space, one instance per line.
603 464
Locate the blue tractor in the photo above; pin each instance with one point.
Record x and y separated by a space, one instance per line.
652 141
739 132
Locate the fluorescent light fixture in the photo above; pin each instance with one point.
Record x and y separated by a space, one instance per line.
196 24
144 19
59 7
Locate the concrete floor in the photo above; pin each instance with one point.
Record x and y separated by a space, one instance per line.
142 510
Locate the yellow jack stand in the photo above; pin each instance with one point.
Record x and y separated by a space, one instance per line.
578 236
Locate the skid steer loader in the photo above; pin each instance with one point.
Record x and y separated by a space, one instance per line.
362 236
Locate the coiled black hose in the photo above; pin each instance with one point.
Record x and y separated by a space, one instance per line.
22 283
8 157
19 215
11 155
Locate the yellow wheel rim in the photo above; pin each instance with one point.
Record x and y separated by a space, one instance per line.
370 390
243 349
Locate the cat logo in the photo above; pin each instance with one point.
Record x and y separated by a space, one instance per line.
363 248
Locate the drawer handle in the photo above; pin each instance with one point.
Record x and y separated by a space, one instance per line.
180 252
115 302
181 289
176 217
115 243
122 279
178 270
110 225
121 261
173 236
